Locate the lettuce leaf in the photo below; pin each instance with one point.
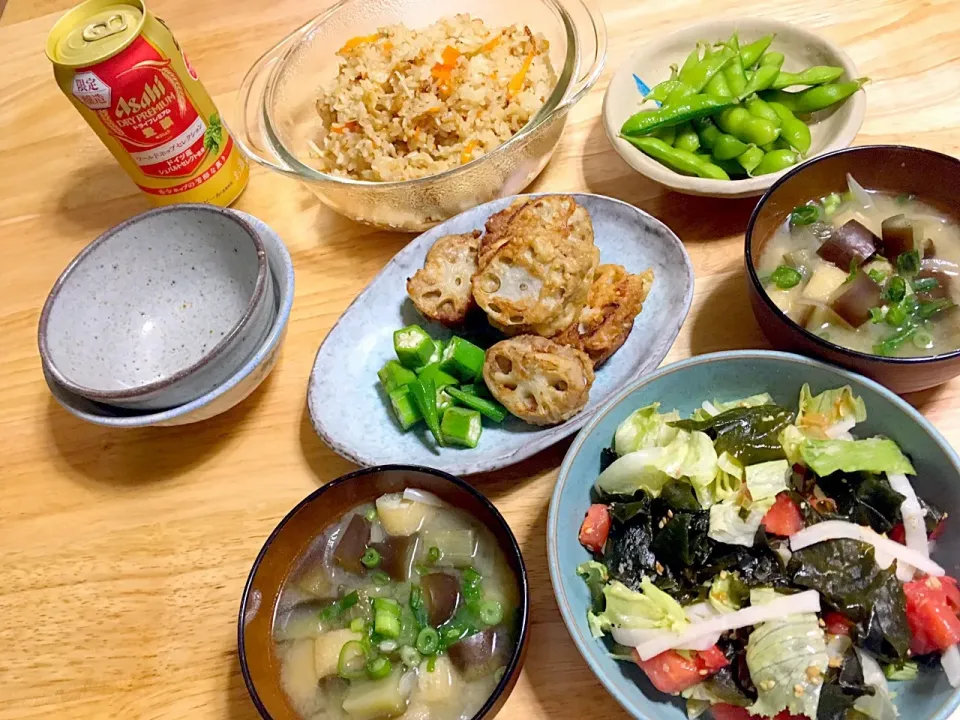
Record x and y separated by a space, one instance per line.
878 705
874 455
728 593
791 440
842 687
595 575
651 608
819 413
688 455
766 480
787 659
712 409
645 428
729 477
734 524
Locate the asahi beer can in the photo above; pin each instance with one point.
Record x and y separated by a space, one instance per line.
124 71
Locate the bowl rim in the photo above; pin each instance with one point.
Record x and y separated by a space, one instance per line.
284 285
821 344
751 186
558 100
256 297
572 623
516 657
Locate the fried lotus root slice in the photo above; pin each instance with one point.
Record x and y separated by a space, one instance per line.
441 288
616 298
496 231
538 380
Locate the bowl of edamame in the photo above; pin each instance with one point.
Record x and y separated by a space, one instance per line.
723 108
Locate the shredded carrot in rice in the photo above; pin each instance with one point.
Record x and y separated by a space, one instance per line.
490 44
356 42
346 127
450 55
466 155
516 82
387 46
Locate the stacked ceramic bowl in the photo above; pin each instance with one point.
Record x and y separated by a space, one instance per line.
168 318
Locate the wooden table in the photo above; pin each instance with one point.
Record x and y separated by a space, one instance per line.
125 552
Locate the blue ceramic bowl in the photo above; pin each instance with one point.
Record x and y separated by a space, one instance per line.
727 376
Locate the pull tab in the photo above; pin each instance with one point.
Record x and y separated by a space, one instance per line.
114 24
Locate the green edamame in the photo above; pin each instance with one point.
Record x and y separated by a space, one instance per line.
661 91
761 79
697 76
667 134
708 133
733 74
816 75
738 121
686 138
815 98
775 161
750 54
758 108
792 130
679 160
727 147
695 106
718 86
750 159
680 93
772 58
692 59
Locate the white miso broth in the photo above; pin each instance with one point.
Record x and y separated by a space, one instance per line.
869 271
403 608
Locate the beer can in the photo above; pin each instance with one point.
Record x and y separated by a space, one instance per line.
124 71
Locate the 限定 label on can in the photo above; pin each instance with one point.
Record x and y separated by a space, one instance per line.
124 71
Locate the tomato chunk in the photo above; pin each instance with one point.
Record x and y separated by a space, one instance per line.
595 528
898 533
671 672
723 711
784 518
837 623
933 605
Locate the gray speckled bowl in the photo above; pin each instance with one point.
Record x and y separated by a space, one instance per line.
235 388
346 403
159 310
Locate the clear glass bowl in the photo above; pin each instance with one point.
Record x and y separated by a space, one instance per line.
278 106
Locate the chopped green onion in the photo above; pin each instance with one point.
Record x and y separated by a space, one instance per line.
414 348
370 513
463 359
805 215
928 310
379 667
472 588
890 345
409 656
896 289
417 607
388 646
461 426
923 339
786 277
393 375
453 633
488 408
387 605
379 577
925 284
896 315
434 555
386 624
358 625
877 275
432 664
909 671
490 612
371 558
428 641
353 658
908 263
337 607
877 315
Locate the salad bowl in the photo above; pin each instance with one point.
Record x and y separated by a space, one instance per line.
687 386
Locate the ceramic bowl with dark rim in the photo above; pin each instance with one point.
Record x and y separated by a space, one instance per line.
291 539
728 376
932 177
160 309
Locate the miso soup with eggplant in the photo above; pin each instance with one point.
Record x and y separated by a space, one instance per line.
869 271
405 608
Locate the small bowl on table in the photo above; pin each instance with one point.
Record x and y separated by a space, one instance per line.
831 129
896 169
160 309
291 540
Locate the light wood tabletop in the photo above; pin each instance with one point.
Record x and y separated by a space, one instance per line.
125 552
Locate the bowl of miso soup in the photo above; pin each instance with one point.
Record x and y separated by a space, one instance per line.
854 257
391 592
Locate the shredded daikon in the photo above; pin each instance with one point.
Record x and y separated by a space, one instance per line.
885 548
422 496
859 194
951 665
840 430
632 637
805 602
914 527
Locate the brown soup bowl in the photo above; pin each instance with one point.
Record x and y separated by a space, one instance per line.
291 539
898 169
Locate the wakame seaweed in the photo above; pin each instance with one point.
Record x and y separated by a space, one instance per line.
864 498
750 434
841 688
628 555
846 574
682 541
607 458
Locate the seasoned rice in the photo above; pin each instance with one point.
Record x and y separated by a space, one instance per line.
410 103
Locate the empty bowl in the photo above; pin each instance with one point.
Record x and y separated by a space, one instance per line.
232 390
160 309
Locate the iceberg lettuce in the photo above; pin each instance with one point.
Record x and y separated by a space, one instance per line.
734 524
645 428
712 409
650 609
792 439
876 455
766 480
831 409
729 477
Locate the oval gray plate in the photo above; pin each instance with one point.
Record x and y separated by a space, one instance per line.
349 411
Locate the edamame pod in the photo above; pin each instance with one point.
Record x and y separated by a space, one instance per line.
750 54
733 74
727 147
687 138
816 75
792 129
815 98
772 58
738 121
667 134
758 108
761 79
718 87
696 106
750 159
775 161
679 160
697 76
661 91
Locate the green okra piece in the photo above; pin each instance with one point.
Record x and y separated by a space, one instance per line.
405 408
394 375
435 372
488 408
750 54
681 161
425 396
696 106
462 359
414 348
461 426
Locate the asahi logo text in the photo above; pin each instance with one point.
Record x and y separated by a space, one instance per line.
151 94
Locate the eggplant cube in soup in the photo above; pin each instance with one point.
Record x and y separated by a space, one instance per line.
353 544
481 654
851 245
397 555
856 298
901 235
